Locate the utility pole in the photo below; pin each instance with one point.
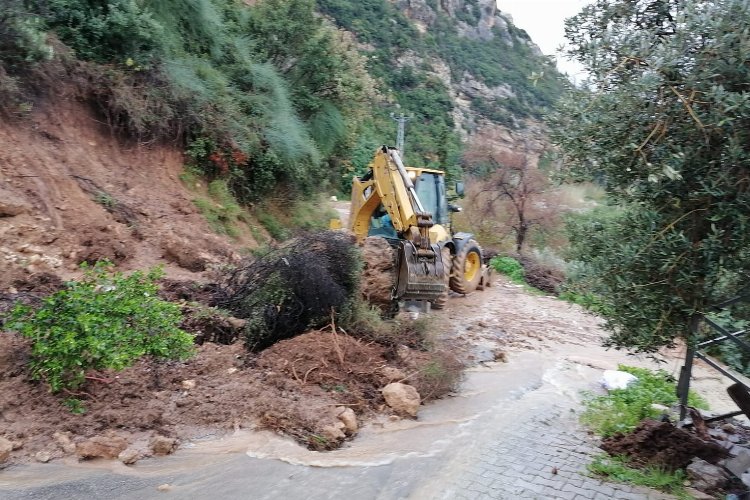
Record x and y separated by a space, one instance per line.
401 120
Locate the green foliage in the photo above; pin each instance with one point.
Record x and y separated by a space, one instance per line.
272 225
623 409
510 267
619 469
105 321
667 128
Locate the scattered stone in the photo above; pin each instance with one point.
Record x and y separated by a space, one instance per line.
706 477
404 399
188 384
500 356
393 374
740 464
164 487
659 408
129 456
63 440
236 323
698 495
232 370
101 447
43 457
162 445
334 432
5 448
729 428
349 419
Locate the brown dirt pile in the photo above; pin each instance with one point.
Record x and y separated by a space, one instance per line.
662 444
296 387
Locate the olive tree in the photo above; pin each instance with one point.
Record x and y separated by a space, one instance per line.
664 123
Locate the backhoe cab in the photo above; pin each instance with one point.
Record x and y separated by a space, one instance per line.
409 207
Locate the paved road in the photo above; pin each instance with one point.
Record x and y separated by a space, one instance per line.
503 437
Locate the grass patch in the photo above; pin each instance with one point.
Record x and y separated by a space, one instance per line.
619 469
272 224
622 409
220 210
510 267
587 300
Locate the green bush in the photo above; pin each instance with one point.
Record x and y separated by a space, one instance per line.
105 321
510 267
623 409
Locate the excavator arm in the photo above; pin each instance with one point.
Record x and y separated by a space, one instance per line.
387 187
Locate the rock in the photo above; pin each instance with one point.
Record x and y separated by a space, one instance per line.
729 428
697 494
404 399
188 384
659 408
162 445
349 419
236 323
334 432
129 456
706 477
392 374
101 447
43 457
63 440
232 370
740 464
5 448
12 203
500 356
164 487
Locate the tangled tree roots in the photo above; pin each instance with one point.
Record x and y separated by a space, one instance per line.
293 288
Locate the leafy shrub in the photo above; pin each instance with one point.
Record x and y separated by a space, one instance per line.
510 267
105 321
622 409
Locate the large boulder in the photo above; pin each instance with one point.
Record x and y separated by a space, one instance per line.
403 399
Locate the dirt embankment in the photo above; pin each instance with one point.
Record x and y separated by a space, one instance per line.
71 192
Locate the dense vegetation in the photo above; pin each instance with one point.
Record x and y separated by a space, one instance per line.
266 94
667 131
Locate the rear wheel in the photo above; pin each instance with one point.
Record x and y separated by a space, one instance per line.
440 302
466 271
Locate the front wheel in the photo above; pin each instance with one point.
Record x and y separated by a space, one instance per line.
466 271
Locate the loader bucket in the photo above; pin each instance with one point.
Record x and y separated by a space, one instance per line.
421 276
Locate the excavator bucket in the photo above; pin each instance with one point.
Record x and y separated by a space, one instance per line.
421 273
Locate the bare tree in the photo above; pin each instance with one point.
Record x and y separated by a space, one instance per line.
514 188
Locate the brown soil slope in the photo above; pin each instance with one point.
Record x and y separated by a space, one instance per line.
71 192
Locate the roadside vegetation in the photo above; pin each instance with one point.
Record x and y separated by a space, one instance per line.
620 411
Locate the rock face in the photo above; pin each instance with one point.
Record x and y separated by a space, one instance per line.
404 399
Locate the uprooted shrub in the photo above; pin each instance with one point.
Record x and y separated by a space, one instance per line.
293 288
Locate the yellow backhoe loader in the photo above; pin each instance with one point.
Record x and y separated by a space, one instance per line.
409 208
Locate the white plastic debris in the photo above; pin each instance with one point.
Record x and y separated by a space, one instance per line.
615 379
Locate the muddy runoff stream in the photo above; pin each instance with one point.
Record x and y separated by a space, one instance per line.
553 355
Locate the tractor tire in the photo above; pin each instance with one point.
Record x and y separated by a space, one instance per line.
466 271
440 302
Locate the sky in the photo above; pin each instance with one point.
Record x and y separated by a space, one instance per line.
544 20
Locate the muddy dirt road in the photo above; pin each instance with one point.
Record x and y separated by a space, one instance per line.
511 431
